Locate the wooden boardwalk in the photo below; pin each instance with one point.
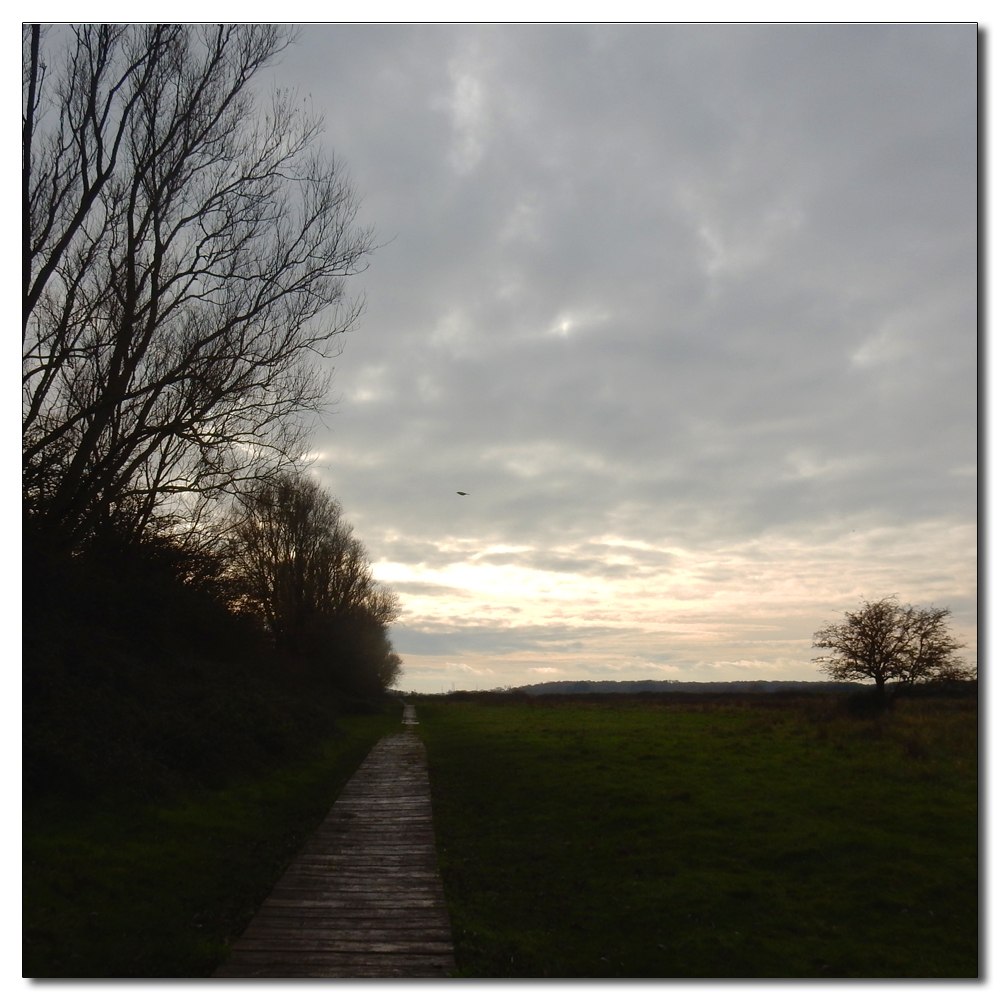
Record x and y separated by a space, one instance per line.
364 897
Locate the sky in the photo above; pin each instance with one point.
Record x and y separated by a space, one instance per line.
688 311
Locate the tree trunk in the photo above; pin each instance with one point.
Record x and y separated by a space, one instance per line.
881 698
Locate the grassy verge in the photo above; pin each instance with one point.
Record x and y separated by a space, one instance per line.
750 840
161 890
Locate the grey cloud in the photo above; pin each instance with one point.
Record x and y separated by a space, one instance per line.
429 554
587 559
557 563
689 283
547 639
423 588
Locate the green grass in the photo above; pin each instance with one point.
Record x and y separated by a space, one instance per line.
656 840
162 890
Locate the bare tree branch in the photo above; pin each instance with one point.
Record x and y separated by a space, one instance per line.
185 256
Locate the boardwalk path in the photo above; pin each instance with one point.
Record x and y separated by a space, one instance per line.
364 897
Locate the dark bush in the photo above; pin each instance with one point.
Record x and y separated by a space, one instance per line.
137 683
867 704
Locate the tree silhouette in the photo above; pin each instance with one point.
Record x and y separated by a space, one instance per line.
185 250
886 641
296 564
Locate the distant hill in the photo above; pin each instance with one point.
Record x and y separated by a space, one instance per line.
698 687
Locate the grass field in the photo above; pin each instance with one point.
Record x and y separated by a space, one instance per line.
636 839
159 891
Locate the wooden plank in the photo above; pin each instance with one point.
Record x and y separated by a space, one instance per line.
428 921
350 889
362 870
356 960
291 965
345 870
290 968
376 905
364 898
360 928
355 930
321 945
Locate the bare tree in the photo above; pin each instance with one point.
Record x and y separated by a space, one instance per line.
887 641
185 250
294 561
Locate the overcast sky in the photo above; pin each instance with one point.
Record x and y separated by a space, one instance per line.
690 314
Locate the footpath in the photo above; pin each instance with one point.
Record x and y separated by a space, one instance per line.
364 898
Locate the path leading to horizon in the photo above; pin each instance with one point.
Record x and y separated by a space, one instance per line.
364 898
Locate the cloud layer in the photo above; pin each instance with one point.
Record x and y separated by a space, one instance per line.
690 314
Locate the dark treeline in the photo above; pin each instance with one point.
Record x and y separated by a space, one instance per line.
696 687
839 697
152 664
195 606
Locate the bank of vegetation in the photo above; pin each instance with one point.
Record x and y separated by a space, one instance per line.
205 649
196 608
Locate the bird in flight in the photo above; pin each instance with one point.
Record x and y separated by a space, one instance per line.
461 494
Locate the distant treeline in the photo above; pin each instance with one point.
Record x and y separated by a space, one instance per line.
853 697
695 687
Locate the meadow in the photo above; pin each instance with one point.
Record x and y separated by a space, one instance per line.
624 837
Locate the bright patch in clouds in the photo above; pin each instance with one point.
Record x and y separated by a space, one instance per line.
572 321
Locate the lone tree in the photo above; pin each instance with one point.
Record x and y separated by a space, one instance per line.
886 641
185 247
